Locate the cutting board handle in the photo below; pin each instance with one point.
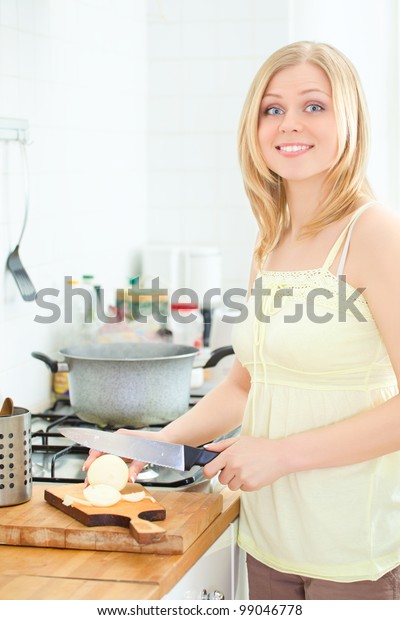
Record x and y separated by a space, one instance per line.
146 532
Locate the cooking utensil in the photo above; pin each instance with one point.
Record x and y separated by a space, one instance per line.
14 263
7 407
174 455
129 384
15 452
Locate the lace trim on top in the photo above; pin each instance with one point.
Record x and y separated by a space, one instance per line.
302 282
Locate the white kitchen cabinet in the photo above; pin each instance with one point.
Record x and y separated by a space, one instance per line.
219 570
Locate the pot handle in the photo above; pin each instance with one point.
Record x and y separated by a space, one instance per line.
52 364
218 355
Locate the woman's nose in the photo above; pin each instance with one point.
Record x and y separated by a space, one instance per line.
290 122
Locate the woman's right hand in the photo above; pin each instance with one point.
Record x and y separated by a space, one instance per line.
135 467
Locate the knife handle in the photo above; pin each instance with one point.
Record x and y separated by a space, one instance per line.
196 456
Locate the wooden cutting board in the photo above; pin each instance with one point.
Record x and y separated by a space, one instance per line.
38 524
137 517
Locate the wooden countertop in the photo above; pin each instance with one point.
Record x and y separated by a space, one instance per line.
36 573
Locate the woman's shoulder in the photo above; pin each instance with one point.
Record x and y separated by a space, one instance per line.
376 236
375 223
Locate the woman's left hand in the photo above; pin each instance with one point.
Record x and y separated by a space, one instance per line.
247 463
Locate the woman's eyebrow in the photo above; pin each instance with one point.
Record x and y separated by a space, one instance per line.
303 92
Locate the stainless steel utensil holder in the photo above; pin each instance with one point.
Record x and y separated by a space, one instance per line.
15 458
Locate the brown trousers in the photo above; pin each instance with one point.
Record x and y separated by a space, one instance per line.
267 584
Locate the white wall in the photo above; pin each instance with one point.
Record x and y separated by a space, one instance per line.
202 58
76 69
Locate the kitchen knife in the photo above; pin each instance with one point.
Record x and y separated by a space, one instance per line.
167 454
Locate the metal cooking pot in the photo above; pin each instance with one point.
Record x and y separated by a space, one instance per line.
129 384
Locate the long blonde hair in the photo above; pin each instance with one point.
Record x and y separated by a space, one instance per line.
346 181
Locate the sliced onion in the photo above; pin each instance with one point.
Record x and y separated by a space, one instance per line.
102 495
110 470
69 500
133 497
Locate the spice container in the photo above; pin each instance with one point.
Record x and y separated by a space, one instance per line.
60 386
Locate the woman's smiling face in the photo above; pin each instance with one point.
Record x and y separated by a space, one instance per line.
297 128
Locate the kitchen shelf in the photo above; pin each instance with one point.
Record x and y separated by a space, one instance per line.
14 129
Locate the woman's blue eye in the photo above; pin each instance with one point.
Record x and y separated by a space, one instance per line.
315 107
273 111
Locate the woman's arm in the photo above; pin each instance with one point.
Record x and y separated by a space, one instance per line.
365 435
376 243
250 463
217 413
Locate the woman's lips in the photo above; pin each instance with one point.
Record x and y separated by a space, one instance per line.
293 150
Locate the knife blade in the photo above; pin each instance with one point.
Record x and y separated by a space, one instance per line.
176 456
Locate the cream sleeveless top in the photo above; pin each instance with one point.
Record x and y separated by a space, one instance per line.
315 356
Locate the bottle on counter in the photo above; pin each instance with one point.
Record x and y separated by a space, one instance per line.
73 314
187 324
90 321
88 284
134 282
59 387
80 316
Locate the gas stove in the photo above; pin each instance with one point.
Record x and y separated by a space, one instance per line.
56 459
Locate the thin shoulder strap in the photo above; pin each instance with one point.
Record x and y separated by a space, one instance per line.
347 230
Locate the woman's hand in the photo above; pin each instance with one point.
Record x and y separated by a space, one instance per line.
135 467
247 463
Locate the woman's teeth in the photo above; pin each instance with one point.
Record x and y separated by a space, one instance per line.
292 149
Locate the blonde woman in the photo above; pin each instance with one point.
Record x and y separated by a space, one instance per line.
314 386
